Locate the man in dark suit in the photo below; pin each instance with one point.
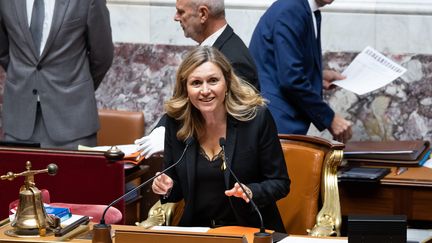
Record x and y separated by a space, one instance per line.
204 22
55 54
287 50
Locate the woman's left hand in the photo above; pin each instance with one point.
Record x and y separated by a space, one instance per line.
236 191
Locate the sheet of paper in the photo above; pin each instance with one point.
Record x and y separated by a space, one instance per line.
370 70
299 239
182 229
428 163
419 235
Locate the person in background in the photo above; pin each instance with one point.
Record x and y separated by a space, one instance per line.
204 22
55 54
209 103
286 47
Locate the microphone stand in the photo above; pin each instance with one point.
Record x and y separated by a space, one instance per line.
259 237
102 231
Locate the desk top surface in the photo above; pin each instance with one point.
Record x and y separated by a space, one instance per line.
229 230
414 176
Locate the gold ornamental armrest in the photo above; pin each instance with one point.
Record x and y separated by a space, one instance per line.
328 220
317 159
163 214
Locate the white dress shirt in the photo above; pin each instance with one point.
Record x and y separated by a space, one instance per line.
49 11
314 7
209 41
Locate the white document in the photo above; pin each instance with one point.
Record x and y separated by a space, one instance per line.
182 229
370 70
299 239
419 235
428 163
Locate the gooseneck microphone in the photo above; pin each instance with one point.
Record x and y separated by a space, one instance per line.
262 236
188 142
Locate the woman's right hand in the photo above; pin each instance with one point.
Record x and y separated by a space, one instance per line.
162 184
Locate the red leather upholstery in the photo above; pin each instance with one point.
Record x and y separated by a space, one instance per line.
95 211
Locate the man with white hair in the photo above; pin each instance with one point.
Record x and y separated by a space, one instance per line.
204 22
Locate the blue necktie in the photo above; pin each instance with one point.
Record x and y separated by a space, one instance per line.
317 14
36 24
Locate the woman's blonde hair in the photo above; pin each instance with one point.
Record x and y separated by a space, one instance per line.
241 101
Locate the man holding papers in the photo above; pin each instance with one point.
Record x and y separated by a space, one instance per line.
287 51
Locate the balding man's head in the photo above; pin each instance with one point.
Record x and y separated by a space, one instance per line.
216 7
200 18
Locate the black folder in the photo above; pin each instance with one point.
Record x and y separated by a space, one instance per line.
362 174
388 153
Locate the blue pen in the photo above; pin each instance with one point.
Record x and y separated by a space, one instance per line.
425 158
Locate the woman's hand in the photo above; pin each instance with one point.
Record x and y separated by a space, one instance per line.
236 191
162 184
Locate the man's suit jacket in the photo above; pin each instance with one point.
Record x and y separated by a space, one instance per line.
76 57
255 155
288 58
235 50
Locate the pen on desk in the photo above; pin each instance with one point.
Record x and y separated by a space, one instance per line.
425 158
401 170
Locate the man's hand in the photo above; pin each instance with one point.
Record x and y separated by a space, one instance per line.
329 76
152 143
341 129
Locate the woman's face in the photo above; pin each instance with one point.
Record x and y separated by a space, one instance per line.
206 87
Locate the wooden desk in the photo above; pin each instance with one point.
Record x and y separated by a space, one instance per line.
409 194
231 230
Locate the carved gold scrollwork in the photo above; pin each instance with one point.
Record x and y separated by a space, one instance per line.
328 220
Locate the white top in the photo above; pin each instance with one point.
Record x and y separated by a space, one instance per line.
49 11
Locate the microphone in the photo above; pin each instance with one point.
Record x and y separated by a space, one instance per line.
106 227
262 236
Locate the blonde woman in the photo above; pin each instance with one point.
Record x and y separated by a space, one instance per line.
209 103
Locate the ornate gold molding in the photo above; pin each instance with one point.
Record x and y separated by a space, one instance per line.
328 220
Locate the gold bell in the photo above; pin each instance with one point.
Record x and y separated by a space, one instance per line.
31 218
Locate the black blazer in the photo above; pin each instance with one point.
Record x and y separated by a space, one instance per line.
255 155
235 50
